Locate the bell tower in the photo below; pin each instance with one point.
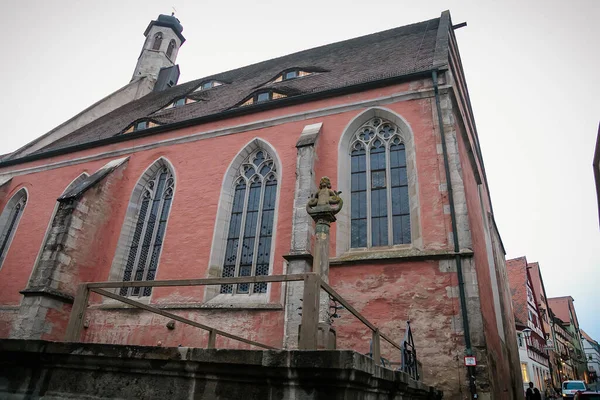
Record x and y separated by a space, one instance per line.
163 40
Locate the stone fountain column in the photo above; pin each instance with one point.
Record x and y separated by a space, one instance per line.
322 207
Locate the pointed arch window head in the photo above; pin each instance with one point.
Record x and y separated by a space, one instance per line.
170 48
250 230
157 41
9 219
153 207
380 209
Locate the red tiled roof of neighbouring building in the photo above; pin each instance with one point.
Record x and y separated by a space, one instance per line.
536 281
517 277
560 307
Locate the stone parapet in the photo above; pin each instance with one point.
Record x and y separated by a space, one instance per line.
32 369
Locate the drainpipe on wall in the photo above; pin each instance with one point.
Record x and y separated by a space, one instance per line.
459 271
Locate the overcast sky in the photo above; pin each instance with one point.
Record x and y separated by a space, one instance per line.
531 68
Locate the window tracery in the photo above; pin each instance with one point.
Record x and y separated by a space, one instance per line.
380 209
148 235
249 234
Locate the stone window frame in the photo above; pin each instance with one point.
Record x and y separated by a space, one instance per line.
117 268
7 212
343 241
212 294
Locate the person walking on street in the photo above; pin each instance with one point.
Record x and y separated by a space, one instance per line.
532 393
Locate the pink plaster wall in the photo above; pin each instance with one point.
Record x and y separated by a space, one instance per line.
388 293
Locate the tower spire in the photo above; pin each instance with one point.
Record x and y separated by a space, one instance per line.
163 39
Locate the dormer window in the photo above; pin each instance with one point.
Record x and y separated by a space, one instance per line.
291 74
208 85
179 102
140 126
262 97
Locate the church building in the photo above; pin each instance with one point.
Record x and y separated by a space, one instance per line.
210 178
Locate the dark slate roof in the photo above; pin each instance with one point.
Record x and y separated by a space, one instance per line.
393 53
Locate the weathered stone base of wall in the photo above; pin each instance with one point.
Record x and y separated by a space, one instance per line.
50 370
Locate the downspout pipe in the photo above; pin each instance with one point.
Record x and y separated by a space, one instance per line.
459 270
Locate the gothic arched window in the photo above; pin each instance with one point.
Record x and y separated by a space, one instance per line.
171 48
380 209
157 41
9 219
250 230
153 206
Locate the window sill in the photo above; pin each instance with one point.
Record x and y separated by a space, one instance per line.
240 302
221 302
108 303
382 254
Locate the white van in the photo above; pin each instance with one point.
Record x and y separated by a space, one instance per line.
569 388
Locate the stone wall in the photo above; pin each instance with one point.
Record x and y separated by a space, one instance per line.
389 293
32 369
73 234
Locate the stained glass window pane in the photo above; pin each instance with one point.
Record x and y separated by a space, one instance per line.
372 188
379 211
400 200
358 194
148 236
378 179
266 232
255 211
379 225
8 230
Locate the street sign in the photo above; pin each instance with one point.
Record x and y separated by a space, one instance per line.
470 361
